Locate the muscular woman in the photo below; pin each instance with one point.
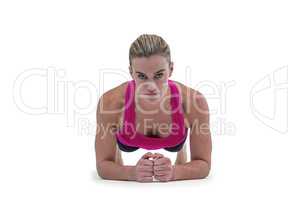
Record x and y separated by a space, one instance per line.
152 111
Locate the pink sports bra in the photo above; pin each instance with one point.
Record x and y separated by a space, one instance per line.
128 139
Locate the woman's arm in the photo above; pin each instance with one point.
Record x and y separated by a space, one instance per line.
114 171
200 141
105 143
195 169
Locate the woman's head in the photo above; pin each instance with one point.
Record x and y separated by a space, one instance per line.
150 64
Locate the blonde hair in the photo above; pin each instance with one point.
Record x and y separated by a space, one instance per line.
149 44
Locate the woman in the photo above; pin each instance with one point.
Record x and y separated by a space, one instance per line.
151 97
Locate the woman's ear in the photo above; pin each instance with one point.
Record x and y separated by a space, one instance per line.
171 66
130 71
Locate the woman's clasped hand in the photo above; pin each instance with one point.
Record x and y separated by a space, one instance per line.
154 165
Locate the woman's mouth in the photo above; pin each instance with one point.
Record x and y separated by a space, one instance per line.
151 94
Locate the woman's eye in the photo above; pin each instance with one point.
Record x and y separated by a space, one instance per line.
157 76
141 76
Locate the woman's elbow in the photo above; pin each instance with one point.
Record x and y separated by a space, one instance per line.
102 172
204 171
205 174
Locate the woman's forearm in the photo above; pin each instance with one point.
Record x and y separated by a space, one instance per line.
195 169
114 171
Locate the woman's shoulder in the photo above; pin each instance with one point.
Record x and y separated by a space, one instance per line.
192 101
112 101
187 93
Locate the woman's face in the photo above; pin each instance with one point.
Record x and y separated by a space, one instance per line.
151 75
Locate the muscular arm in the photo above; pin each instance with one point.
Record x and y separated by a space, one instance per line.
200 141
105 144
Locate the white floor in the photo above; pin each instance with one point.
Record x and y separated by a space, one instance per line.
55 162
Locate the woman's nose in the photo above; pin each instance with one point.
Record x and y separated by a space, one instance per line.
151 86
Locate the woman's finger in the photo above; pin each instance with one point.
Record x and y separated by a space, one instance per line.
147 155
146 179
161 173
161 167
145 169
146 174
146 162
157 155
162 178
161 161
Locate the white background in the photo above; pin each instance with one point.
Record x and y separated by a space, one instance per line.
47 137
